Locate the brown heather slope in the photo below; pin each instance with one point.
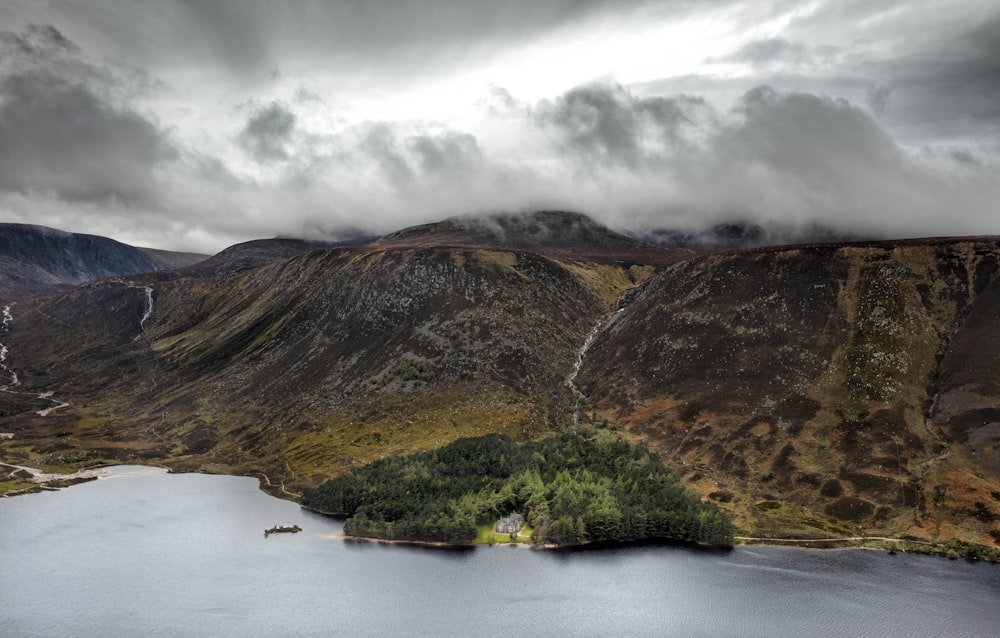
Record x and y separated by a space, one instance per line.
306 367
820 390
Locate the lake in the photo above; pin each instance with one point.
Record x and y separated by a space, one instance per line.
143 552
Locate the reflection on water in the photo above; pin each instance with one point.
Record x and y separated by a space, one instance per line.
142 552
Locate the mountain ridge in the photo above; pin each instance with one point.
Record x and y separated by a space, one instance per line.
808 389
35 258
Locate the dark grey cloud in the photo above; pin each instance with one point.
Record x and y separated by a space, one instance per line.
236 36
267 131
775 50
61 138
37 41
777 158
878 98
608 124
59 132
939 63
382 145
821 141
598 121
782 159
956 87
763 51
853 114
448 153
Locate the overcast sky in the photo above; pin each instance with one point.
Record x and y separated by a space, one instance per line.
193 125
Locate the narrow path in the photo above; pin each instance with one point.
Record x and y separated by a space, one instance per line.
267 480
60 405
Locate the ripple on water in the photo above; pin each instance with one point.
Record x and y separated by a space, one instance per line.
142 552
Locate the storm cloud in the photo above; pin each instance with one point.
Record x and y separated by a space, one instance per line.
646 115
607 124
60 135
267 131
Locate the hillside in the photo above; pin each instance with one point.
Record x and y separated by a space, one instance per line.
819 389
308 366
812 390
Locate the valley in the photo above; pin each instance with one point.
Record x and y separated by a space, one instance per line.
809 391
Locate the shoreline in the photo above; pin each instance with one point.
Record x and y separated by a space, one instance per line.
440 545
901 546
42 481
47 481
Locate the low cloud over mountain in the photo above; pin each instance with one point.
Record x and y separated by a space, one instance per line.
406 117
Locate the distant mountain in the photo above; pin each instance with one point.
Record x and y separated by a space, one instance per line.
552 233
574 235
171 260
744 234
35 256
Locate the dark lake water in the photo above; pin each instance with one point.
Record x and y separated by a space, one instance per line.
144 553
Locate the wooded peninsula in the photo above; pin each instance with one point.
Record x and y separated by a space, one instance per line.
572 489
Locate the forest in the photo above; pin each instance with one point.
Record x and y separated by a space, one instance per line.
572 489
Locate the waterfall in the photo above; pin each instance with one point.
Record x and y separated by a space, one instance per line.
149 308
603 324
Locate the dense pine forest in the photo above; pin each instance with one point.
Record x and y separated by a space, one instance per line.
572 489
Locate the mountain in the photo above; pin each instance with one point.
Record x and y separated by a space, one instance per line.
744 234
557 234
816 389
306 366
170 259
813 390
34 257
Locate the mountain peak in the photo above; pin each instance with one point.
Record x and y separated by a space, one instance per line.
545 232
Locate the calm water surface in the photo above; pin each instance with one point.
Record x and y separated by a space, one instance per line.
145 553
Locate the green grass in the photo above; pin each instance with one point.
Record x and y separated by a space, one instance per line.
486 536
17 486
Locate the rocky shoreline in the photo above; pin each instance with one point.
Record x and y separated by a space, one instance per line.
41 481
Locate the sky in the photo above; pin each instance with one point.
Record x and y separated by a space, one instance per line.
195 124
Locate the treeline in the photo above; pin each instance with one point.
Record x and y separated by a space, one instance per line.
574 488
